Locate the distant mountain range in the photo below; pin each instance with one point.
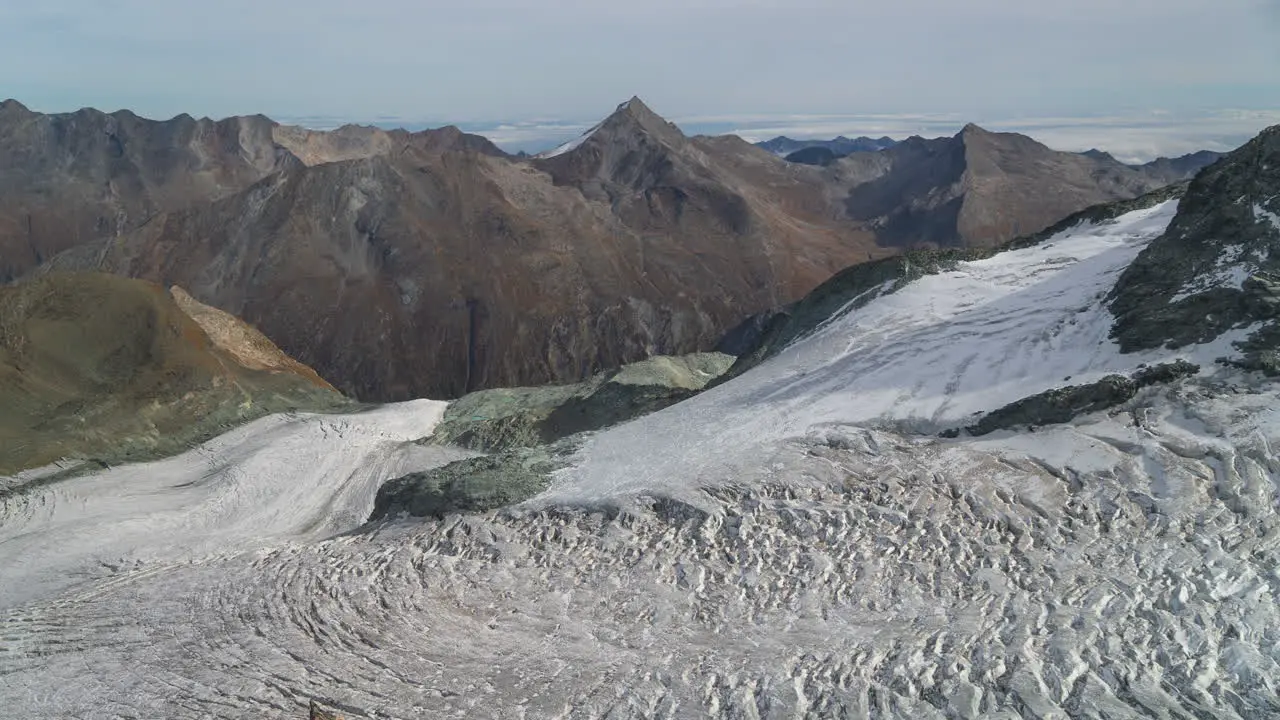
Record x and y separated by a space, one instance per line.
840 146
1168 169
431 263
826 152
977 188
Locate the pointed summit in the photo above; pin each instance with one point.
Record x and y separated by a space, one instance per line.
12 105
633 115
630 119
1097 154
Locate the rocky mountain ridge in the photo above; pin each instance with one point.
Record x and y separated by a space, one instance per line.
1217 268
468 269
978 188
838 146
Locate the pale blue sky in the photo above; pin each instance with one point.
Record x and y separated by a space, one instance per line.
494 60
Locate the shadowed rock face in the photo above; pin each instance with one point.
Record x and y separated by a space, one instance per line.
99 367
1180 168
818 155
1217 267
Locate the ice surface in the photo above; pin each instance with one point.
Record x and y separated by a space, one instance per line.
927 357
284 477
1123 567
826 563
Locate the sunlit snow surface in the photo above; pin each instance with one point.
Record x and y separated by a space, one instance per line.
825 564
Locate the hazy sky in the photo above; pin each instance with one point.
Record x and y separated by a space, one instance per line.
495 59
490 60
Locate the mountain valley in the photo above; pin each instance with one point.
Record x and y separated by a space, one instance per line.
647 425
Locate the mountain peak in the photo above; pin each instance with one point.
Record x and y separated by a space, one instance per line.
11 105
631 119
1100 155
635 110
636 104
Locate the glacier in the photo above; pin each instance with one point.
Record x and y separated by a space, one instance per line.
797 542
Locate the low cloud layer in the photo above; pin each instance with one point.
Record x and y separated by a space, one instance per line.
1132 138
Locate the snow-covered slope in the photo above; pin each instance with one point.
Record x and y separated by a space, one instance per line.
781 546
282 478
927 357
570 146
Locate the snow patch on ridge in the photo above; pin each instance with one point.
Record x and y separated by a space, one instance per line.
1228 272
570 146
1264 215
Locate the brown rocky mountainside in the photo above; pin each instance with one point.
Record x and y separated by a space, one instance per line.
432 264
71 178
100 367
979 188
351 142
435 272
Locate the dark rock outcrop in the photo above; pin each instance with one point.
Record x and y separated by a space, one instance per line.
1061 405
1215 269
474 485
316 712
